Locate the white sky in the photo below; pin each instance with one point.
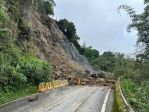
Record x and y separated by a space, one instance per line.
98 23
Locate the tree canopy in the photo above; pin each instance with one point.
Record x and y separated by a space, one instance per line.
69 30
140 22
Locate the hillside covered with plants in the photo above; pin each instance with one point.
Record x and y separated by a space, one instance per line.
135 84
20 70
34 48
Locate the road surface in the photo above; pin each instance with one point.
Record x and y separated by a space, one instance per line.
66 99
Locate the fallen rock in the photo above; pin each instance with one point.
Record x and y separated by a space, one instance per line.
63 70
87 71
105 84
71 76
33 97
111 81
92 82
84 80
94 75
72 81
83 83
100 80
113 87
90 78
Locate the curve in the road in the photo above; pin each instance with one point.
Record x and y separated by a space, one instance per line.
67 99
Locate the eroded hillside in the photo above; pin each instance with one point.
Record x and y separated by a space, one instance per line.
28 24
53 47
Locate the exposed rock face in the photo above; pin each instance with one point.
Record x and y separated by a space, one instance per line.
52 46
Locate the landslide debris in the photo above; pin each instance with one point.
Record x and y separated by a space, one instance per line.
93 79
52 46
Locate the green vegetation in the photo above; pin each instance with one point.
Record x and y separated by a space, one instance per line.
108 61
44 6
133 72
137 94
118 104
135 81
13 95
103 62
69 30
20 70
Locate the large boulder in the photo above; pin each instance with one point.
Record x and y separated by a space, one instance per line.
94 75
33 97
72 81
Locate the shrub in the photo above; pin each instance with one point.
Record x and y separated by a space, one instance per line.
18 69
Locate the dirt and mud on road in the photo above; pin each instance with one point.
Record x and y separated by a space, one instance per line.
66 99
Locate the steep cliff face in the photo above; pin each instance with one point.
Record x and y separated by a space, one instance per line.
53 47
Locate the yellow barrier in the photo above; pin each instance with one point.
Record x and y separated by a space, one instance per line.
41 87
47 86
50 85
54 84
60 83
57 83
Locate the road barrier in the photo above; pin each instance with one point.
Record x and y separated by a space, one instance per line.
48 86
41 87
57 83
124 99
53 84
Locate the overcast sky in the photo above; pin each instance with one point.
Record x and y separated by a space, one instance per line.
99 24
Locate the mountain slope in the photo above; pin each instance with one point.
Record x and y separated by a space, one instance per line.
53 47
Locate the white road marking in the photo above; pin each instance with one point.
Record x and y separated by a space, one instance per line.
105 102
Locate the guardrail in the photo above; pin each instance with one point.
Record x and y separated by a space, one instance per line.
120 104
50 85
123 97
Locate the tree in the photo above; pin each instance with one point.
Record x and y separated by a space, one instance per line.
44 6
69 30
108 54
48 8
140 22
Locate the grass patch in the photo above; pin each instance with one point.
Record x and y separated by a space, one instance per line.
10 96
118 104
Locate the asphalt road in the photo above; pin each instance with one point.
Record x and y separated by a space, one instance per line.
66 99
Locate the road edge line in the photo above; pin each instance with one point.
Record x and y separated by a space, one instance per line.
105 101
16 100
